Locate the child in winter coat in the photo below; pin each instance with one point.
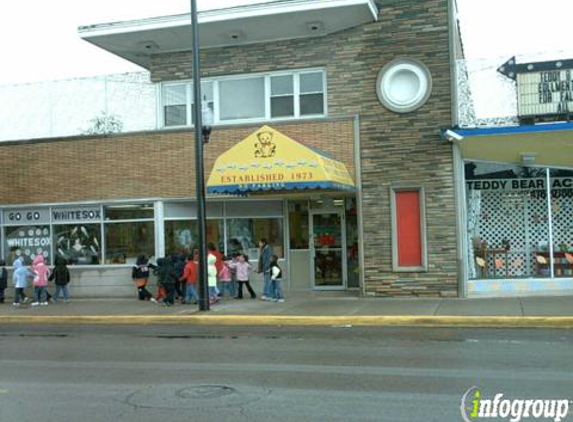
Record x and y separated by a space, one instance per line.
61 275
166 278
41 274
226 279
212 278
19 277
276 280
140 275
3 279
243 270
190 279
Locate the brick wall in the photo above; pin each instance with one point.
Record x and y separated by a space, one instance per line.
141 165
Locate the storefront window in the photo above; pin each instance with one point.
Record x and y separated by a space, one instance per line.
562 219
182 236
124 241
27 242
245 233
298 224
129 212
508 224
78 244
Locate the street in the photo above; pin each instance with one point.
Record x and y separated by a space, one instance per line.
68 373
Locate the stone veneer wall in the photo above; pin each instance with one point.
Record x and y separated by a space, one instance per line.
396 150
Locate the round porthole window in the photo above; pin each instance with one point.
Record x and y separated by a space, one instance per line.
404 85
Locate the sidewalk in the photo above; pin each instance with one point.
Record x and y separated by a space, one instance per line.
312 308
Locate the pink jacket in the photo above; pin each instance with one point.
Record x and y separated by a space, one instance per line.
41 271
243 269
225 274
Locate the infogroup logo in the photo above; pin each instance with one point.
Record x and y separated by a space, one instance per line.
475 408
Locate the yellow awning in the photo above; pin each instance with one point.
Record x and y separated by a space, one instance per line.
268 160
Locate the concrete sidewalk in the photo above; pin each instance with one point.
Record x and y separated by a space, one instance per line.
312 308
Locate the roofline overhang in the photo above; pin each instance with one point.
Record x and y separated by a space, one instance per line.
220 15
506 130
540 145
234 17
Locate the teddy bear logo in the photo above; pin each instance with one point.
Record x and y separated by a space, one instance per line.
265 147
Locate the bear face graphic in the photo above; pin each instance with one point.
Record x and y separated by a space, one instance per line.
265 147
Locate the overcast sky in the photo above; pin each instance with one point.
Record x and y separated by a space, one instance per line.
40 39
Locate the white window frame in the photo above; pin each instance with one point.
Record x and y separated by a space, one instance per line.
267 98
423 233
161 110
271 96
298 94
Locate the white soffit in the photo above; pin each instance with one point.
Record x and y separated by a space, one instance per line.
259 23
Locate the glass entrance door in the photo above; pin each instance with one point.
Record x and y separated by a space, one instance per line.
328 243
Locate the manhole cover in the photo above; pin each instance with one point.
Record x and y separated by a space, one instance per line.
201 396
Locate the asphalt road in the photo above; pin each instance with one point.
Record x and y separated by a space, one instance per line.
190 373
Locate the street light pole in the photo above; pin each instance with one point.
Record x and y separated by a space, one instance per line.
199 175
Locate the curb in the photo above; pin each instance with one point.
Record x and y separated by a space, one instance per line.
273 320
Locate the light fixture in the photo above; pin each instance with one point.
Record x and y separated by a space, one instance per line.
528 158
206 120
148 46
452 136
236 36
316 26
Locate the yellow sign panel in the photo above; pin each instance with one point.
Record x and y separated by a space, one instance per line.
269 160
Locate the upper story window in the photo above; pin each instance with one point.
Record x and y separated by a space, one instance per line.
176 98
241 99
247 98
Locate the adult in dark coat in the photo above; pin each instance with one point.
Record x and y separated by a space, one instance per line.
265 260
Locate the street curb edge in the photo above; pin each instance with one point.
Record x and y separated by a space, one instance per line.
304 320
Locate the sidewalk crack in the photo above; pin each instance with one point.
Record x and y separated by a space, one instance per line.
521 306
437 307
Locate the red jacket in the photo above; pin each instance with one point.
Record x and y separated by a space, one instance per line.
219 264
190 272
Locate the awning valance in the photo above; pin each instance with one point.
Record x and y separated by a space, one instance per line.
267 160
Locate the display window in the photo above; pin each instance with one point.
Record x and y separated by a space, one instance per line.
26 242
561 206
182 236
129 212
125 241
298 224
243 235
514 230
79 244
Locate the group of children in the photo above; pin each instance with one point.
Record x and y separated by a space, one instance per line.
41 274
176 277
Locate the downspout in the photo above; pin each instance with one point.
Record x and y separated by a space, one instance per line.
457 160
359 211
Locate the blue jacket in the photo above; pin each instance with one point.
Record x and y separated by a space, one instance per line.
21 274
265 258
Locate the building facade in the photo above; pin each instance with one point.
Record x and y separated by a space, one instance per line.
366 83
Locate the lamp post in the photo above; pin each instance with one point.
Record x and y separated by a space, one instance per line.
199 172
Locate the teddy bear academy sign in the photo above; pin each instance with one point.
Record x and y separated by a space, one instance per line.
544 89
